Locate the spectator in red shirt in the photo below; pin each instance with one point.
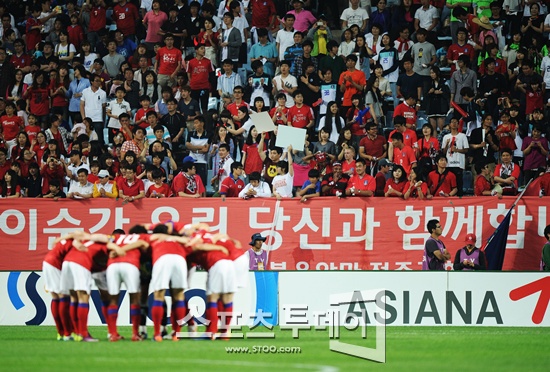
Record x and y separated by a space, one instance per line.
187 183
159 189
507 173
407 109
130 187
168 62
198 71
300 115
380 178
361 184
38 97
98 21
232 185
484 180
396 184
409 135
442 182
402 154
125 15
52 169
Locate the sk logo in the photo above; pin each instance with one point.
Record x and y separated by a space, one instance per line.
542 286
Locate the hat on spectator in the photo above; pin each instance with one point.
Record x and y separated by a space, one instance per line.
103 173
470 239
336 163
188 159
383 162
256 237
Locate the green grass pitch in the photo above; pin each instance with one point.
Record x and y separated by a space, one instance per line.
407 349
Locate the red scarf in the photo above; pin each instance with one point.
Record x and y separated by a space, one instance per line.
403 45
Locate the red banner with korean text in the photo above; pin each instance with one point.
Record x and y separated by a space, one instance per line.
322 234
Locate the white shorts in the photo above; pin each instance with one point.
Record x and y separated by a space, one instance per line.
52 278
100 280
241 270
221 278
75 277
122 272
170 270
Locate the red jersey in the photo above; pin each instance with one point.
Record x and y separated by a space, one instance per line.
33 36
207 259
348 168
358 129
300 117
130 189
533 100
481 185
404 157
262 12
406 111
504 133
93 258
32 131
358 77
11 126
364 182
24 60
168 60
253 162
394 185
373 147
233 108
160 249
56 256
231 187
59 100
409 137
199 70
446 184
125 17
456 51
186 184
132 256
426 148
164 189
414 191
142 114
76 35
98 16
39 151
278 120
39 100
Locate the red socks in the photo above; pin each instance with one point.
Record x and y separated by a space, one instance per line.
83 310
54 306
135 315
65 315
112 315
212 317
178 314
157 313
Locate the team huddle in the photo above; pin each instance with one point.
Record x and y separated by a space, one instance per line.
151 258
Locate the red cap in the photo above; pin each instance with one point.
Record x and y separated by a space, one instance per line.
470 239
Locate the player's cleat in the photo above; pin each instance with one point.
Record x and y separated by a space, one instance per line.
59 337
115 338
77 338
136 338
143 335
168 336
68 338
157 338
89 339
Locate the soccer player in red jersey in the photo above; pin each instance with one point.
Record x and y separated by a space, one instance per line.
76 274
51 271
125 270
169 272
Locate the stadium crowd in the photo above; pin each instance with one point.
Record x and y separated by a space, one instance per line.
410 98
